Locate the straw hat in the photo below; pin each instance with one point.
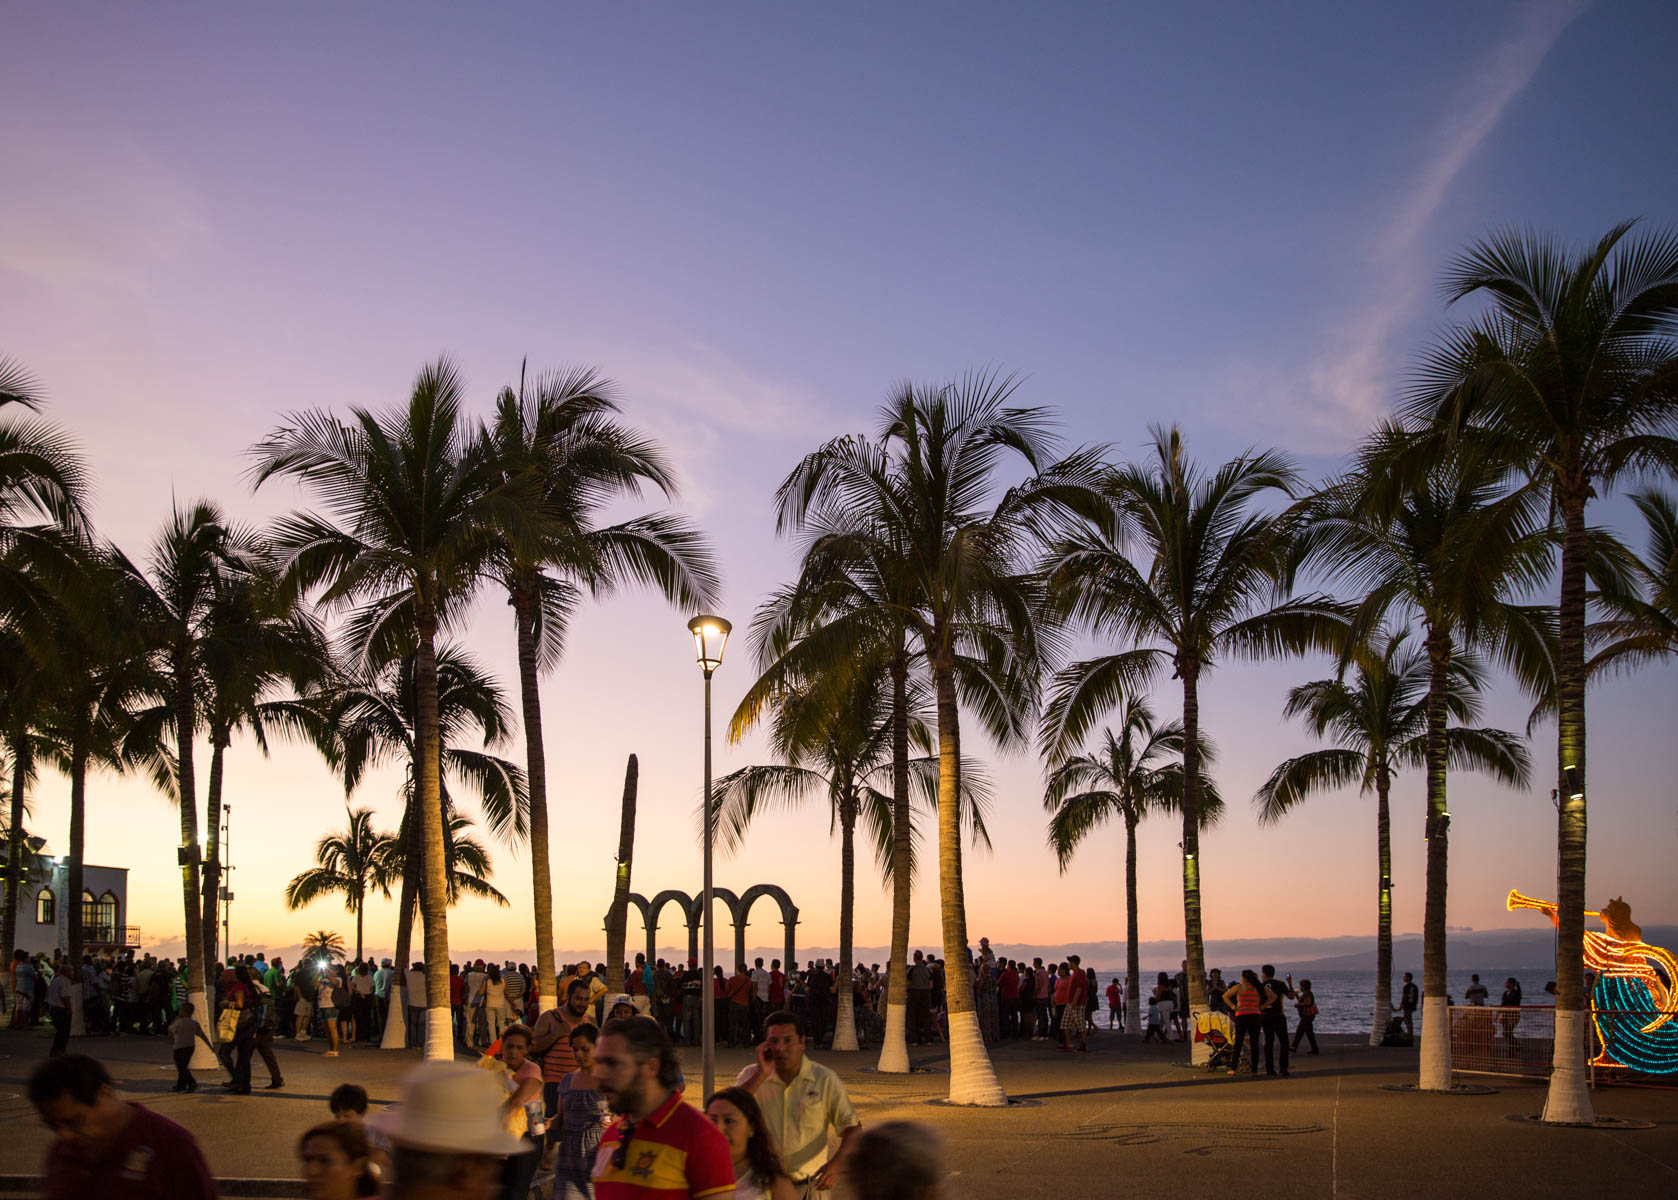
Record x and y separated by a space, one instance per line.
449 1108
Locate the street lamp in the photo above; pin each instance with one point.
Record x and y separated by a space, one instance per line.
710 635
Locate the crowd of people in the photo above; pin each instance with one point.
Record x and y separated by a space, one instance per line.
616 1124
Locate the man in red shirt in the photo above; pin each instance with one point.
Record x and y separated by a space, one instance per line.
1008 998
660 1147
104 1146
777 985
738 990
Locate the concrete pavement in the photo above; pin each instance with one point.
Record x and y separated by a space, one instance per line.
1123 1120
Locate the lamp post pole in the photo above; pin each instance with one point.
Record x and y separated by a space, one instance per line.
708 1014
710 635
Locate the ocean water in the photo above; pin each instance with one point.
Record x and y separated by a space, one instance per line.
1346 999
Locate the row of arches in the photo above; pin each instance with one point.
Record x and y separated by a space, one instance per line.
739 910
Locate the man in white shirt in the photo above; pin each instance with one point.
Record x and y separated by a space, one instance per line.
59 992
415 984
760 994
801 1100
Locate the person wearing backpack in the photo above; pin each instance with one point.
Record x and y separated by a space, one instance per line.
1305 1004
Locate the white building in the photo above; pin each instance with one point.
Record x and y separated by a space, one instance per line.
43 914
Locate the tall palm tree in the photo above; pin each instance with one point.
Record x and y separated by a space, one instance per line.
1378 723
323 946
835 737
409 501
351 864
43 487
82 724
1187 561
1568 374
1132 773
376 718
1445 551
192 562
930 490
559 455
818 627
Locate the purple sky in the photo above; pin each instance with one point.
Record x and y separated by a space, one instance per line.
756 219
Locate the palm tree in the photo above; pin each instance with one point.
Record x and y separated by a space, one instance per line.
81 725
1445 551
1186 561
409 504
43 488
1134 772
23 693
324 947
375 718
559 455
470 868
1378 723
1642 622
1568 375
922 511
351 864
835 735
193 561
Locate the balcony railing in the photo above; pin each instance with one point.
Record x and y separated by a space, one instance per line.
96 933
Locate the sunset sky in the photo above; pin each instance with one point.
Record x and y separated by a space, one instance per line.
756 219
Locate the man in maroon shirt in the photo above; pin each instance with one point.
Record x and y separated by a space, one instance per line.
104 1146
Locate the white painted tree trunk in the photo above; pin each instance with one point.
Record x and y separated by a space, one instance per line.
1436 1045
203 1058
972 1077
439 1035
1200 1052
396 1019
844 1026
1378 1026
894 1051
1569 1098
78 1012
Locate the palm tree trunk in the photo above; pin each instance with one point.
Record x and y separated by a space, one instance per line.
1132 950
526 607
617 920
1436 1033
434 895
1569 1096
1194 947
396 1022
197 991
212 841
844 1025
1383 905
21 765
973 1079
74 880
360 909
894 1051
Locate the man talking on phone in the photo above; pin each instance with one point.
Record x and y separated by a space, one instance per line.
801 1100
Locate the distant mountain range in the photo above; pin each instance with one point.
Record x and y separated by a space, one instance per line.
1493 948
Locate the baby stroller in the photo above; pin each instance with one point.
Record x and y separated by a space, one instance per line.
1222 1053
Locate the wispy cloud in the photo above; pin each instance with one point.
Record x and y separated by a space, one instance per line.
1349 383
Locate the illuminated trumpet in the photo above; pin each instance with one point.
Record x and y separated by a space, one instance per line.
1516 900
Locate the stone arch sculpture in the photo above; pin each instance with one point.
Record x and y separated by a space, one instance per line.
739 911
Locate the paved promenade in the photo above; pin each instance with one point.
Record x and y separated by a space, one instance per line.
1120 1121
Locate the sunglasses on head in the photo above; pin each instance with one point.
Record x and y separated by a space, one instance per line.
620 1156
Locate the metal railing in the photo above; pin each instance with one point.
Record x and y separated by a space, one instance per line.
1487 1040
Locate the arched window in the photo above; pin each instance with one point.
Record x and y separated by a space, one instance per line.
90 918
108 918
46 907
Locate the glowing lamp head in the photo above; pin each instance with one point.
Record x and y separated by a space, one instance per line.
710 635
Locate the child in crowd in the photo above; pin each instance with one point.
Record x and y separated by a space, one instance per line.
184 1028
1156 1023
